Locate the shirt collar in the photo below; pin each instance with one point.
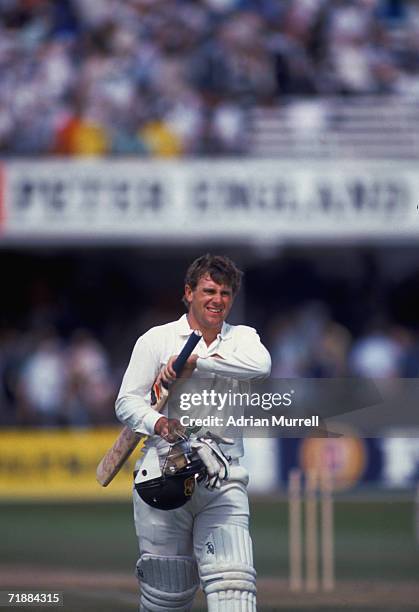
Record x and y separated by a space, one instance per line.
184 329
182 326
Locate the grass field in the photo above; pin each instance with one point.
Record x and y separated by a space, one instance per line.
88 551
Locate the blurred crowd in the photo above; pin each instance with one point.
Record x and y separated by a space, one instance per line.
307 342
47 380
176 77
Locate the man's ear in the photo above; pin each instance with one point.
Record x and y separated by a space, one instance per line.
188 293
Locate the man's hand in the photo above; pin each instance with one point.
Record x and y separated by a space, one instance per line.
169 429
168 375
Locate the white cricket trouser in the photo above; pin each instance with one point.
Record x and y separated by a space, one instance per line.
209 533
183 531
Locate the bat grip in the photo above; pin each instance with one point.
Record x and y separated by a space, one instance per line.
185 353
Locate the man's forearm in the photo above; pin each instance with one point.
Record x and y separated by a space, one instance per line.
140 418
243 367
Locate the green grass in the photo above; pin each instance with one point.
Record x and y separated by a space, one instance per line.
374 541
83 536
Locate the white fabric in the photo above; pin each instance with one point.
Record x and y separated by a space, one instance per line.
183 531
242 354
167 583
226 570
150 467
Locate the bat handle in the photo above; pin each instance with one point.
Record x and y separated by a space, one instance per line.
186 352
180 361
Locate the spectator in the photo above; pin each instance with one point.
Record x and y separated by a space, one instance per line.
91 389
378 353
157 78
42 383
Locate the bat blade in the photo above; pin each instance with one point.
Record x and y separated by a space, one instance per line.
128 440
112 462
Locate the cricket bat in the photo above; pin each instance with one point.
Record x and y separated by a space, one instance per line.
128 440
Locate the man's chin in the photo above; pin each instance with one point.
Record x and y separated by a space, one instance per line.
214 323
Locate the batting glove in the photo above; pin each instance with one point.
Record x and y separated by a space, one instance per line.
217 464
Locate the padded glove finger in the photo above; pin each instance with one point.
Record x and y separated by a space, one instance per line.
216 463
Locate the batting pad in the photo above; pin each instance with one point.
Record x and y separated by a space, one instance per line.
167 583
226 568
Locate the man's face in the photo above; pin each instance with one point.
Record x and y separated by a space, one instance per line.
209 303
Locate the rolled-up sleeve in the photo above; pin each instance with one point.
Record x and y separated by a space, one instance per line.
242 357
133 402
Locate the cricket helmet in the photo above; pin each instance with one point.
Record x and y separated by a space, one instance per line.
174 488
